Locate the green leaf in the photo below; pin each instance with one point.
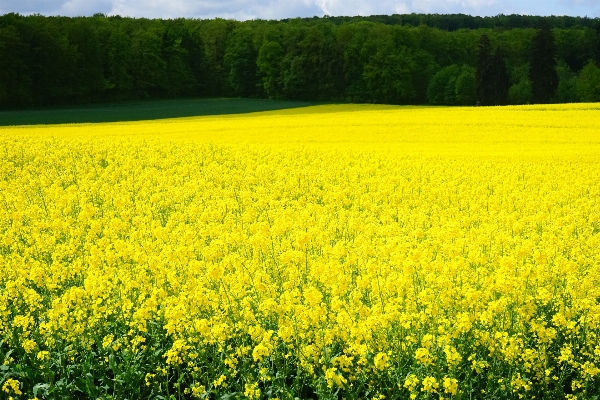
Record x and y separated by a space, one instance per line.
43 387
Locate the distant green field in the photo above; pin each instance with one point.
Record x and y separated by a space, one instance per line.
143 110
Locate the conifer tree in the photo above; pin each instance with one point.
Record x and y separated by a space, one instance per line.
500 79
491 75
484 71
597 49
542 73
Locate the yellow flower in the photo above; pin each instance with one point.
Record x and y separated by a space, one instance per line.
423 356
219 381
430 384
450 386
29 345
252 391
411 382
334 378
381 361
198 391
12 385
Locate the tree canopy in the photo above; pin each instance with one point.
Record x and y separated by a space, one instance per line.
397 59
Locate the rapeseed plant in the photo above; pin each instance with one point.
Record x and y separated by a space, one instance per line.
330 252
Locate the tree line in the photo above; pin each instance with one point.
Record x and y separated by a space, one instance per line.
398 59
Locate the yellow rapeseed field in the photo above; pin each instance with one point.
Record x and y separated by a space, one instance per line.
356 252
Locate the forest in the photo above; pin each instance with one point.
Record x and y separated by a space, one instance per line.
396 59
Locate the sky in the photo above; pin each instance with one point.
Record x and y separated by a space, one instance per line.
278 9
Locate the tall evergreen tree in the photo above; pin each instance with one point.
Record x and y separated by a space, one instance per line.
484 71
597 49
542 73
500 79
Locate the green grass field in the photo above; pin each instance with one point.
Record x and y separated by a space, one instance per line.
143 110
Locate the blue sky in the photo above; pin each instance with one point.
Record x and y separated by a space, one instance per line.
276 9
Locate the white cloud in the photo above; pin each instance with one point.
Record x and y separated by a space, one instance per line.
277 9
362 7
237 9
85 7
477 7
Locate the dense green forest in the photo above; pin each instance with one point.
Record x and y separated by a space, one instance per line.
397 59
